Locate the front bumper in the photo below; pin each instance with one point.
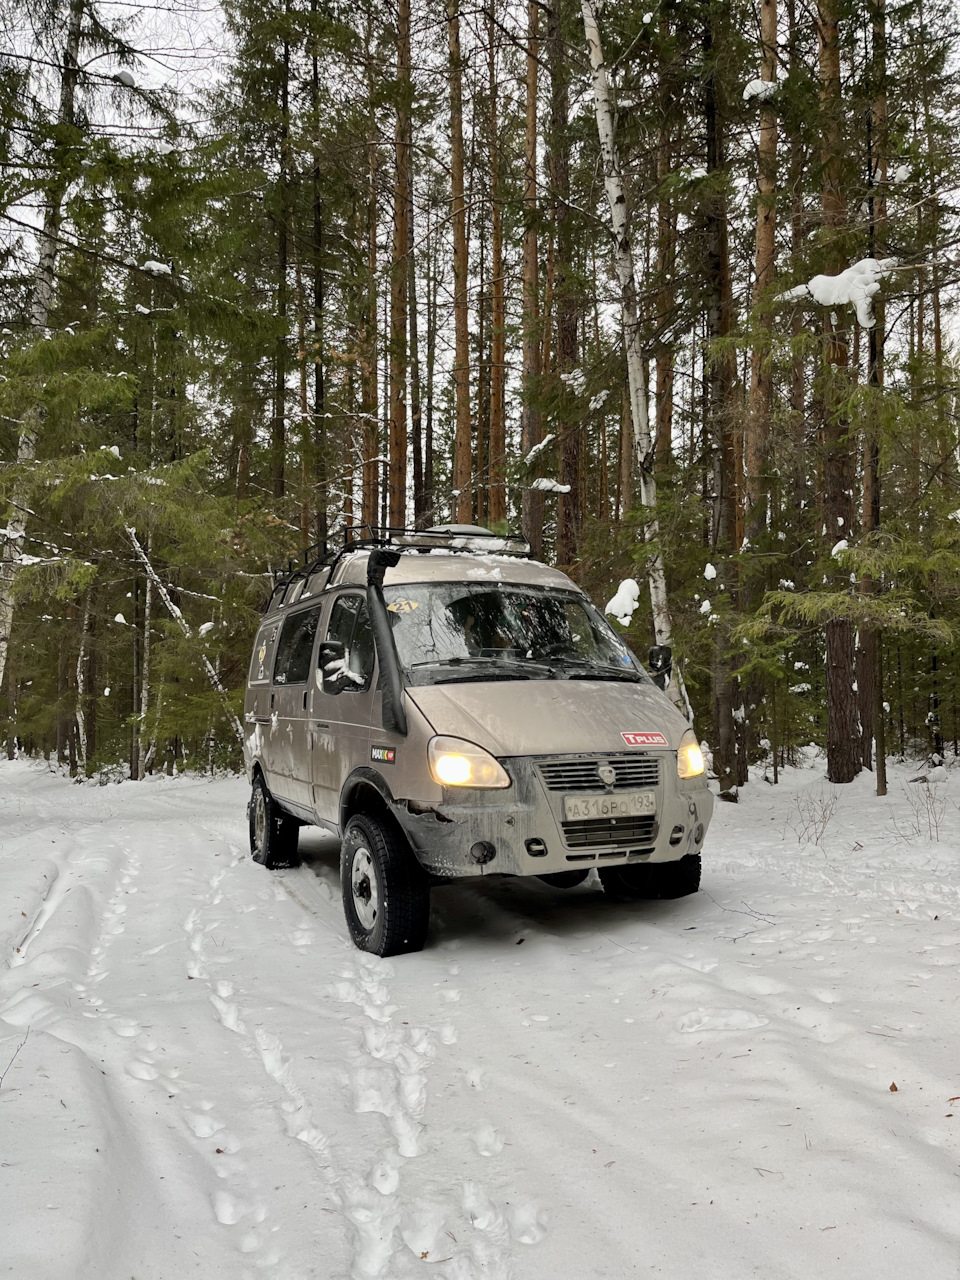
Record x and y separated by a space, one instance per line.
522 832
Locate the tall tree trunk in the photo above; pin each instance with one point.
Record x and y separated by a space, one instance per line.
279 425
721 416
399 277
320 446
497 506
41 303
636 367
666 254
81 682
433 285
843 726
564 287
869 658
761 372
369 394
461 357
416 408
530 429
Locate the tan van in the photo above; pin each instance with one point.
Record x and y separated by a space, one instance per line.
449 707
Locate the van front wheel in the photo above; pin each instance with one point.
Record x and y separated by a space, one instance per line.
652 879
386 896
274 835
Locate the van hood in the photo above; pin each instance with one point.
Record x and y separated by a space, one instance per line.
550 717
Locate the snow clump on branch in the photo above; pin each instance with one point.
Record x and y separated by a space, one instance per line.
157 268
549 486
856 285
760 89
625 603
538 448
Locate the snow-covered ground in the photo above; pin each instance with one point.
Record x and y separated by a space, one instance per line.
215 1083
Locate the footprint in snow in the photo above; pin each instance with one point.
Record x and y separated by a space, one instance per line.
227 1209
720 1020
142 1070
487 1140
474 1078
479 1208
202 1126
385 1176
528 1223
126 1029
448 1034
228 1014
423 1230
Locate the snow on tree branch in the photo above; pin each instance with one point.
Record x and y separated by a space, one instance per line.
856 285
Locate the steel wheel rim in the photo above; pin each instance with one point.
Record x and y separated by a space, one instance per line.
364 887
259 821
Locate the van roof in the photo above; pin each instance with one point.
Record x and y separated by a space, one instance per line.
445 553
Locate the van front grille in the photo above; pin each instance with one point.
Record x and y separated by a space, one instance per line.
599 831
642 770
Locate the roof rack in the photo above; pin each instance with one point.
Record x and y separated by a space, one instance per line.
456 538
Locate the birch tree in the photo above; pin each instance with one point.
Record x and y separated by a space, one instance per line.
636 370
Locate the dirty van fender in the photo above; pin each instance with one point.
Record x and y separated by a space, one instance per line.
426 832
364 781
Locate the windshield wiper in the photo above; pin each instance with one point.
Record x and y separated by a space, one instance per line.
623 674
497 673
480 669
488 664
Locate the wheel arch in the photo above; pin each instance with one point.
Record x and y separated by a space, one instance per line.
365 791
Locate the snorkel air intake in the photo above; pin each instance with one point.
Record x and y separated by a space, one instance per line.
394 714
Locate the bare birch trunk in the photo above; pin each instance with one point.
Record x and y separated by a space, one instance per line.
43 291
182 624
636 377
81 683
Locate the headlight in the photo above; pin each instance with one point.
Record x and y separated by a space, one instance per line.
455 763
689 756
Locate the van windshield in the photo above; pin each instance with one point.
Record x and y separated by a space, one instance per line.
453 631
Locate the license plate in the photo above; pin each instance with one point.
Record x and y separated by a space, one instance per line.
629 804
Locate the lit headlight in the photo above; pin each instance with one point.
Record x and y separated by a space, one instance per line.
689 756
455 763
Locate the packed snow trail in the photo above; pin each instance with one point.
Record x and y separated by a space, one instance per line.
201 1076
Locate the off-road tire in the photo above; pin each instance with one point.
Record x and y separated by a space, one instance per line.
564 879
386 894
274 835
652 879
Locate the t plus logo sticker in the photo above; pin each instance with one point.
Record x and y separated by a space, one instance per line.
383 755
644 739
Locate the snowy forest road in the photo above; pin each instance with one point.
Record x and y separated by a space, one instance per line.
201 1076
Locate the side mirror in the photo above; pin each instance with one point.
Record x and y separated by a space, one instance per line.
660 661
331 660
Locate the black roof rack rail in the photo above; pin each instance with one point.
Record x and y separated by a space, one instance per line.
452 538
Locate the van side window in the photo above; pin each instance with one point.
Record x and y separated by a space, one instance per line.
349 624
295 647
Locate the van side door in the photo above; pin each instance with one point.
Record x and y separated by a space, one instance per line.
287 735
341 703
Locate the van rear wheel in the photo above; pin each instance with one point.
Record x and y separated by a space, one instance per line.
386 895
652 879
274 835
